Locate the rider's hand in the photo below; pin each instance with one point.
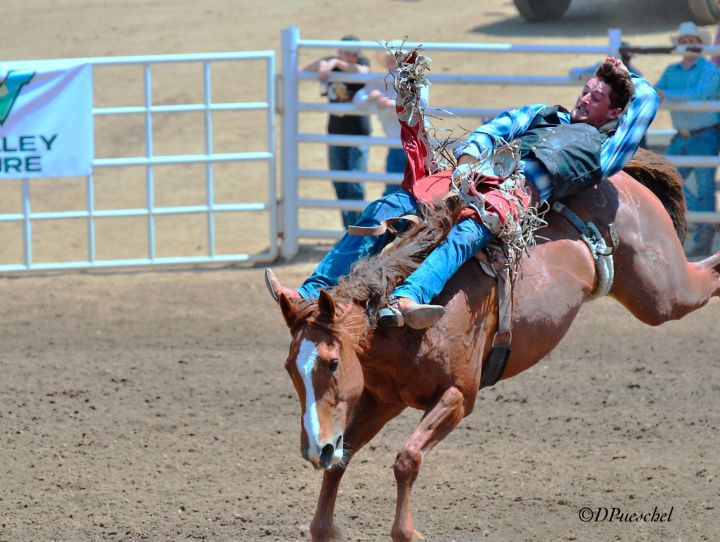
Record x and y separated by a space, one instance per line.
617 62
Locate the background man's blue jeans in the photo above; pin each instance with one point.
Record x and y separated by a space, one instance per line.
702 196
464 240
703 144
349 159
394 163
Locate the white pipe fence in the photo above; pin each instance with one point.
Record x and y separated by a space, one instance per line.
292 174
151 159
284 223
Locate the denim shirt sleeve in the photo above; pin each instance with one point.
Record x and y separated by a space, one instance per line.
505 127
617 150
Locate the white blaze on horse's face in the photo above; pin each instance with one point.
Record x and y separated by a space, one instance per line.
323 413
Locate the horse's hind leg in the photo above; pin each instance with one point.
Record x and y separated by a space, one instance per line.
367 418
435 426
712 262
654 280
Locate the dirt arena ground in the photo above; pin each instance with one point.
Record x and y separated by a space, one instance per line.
153 404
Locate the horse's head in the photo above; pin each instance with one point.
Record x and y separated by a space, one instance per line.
324 367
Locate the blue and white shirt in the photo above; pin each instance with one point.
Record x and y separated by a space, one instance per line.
615 152
701 81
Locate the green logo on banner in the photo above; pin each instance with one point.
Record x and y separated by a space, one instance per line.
9 91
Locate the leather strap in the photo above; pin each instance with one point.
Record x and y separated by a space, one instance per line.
494 365
382 227
601 253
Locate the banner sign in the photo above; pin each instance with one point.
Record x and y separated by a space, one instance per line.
46 122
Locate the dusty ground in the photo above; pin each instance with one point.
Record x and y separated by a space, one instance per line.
153 404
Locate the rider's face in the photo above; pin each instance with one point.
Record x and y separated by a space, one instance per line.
593 105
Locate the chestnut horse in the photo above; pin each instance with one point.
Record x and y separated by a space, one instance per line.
352 376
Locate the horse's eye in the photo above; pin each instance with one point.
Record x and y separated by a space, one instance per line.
333 365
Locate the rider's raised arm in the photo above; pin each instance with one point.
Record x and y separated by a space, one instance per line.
505 127
617 150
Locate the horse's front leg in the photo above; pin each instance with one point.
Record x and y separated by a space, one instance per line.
368 416
435 426
323 527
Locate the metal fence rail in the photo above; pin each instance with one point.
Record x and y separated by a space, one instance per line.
210 208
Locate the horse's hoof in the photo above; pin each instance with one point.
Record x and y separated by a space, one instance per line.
413 536
332 534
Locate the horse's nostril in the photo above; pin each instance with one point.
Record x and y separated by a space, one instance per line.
327 453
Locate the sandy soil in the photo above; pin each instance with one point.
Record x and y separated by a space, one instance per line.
153 405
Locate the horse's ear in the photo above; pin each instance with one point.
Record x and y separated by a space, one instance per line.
326 304
289 309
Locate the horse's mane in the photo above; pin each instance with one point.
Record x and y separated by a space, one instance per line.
343 322
372 279
660 176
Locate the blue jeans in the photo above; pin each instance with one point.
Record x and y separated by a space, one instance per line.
351 248
349 159
702 144
394 163
465 239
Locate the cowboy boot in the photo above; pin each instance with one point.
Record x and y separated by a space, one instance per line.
276 289
404 311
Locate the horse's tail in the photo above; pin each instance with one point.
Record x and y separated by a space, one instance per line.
661 177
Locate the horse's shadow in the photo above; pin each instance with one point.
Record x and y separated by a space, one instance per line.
593 18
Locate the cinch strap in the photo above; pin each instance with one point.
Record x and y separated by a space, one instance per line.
495 264
601 253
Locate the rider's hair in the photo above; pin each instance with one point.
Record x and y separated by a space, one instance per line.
619 81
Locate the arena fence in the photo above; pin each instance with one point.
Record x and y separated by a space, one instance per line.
152 160
293 135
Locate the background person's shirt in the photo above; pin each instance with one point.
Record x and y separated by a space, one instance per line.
339 92
701 81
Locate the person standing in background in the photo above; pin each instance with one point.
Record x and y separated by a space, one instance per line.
345 158
694 78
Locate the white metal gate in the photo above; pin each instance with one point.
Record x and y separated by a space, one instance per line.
150 159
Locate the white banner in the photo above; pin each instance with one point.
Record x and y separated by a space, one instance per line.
46 122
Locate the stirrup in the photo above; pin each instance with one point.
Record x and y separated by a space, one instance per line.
390 316
420 316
